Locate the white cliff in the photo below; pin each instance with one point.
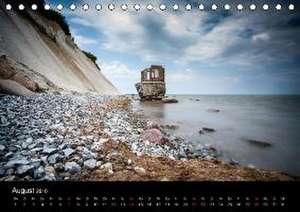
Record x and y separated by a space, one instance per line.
42 45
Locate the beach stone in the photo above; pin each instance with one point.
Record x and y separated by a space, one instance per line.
99 163
164 179
39 172
152 124
49 150
90 164
139 170
153 136
8 155
14 162
169 100
72 167
107 166
37 149
50 169
69 151
29 140
87 154
59 167
170 126
251 166
31 146
208 129
49 177
2 147
23 169
259 143
52 159
2 172
233 162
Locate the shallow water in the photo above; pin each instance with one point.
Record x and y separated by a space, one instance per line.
274 119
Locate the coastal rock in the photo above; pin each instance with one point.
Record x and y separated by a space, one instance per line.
107 166
169 100
69 151
152 124
152 85
90 164
39 172
49 150
52 159
139 170
11 87
2 172
96 146
72 167
259 143
2 147
152 136
23 169
206 129
14 162
170 126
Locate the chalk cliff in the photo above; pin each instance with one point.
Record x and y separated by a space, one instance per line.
43 46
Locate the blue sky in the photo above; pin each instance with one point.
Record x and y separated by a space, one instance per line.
208 52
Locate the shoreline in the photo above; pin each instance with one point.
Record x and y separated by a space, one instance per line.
91 137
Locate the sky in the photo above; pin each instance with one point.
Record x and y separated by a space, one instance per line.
203 52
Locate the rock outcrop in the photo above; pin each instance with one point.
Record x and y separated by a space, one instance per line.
13 88
152 85
43 46
151 90
19 79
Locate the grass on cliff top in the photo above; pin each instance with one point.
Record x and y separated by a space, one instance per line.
92 57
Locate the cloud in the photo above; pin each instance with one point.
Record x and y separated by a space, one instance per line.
215 41
261 37
116 69
183 37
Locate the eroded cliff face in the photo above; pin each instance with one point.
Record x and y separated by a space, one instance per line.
43 47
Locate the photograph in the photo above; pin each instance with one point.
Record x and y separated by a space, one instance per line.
149 90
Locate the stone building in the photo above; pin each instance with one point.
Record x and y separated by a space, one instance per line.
152 85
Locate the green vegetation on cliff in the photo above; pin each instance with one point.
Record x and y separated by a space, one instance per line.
92 57
48 14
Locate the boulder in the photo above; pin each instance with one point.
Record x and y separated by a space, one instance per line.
258 143
10 87
153 136
152 124
170 126
23 169
208 129
151 90
90 164
72 167
139 170
169 100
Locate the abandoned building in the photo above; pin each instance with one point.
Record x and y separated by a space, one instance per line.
152 85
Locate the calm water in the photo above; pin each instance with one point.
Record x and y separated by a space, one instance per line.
275 119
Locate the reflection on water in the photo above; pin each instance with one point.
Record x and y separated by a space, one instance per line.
272 119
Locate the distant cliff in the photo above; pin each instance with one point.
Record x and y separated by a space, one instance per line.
44 45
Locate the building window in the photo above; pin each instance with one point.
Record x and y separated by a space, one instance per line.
156 74
148 75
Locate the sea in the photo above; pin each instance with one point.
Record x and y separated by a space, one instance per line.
274 119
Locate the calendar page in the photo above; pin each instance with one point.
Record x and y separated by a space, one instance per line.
187 104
